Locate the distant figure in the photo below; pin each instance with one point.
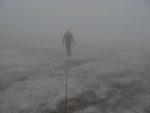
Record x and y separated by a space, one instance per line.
68 40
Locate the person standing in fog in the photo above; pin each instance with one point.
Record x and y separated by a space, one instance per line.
68 40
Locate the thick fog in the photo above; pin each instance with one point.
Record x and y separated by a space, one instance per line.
92 22
109 67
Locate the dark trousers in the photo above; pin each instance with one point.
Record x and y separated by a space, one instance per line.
68 49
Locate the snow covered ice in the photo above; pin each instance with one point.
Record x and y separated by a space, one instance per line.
33 81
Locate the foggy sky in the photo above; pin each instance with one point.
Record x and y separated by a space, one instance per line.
90 21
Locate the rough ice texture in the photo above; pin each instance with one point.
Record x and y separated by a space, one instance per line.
99 81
